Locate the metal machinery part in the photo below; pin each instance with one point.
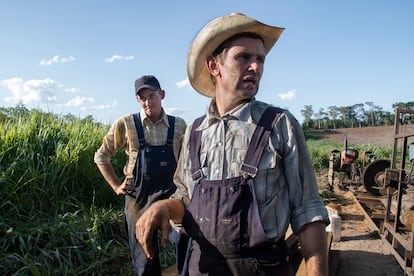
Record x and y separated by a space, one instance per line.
347 169
373 177
397 236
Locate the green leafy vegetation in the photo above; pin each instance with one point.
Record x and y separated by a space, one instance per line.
57 214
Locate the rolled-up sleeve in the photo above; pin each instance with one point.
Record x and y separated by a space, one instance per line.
306 205
114 140
181 177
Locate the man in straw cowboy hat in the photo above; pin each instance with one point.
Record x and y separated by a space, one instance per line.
244 173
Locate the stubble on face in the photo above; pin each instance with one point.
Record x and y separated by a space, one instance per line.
150 102
241 67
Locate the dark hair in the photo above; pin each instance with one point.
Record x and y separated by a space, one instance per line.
230 40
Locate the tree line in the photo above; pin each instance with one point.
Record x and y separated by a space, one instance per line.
357 115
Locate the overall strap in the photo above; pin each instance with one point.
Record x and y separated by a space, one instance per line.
170 135
259 140
140 131
195 143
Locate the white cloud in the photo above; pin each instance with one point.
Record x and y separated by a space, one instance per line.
118 58
102 106
290 95
175 111
56 59
71 90
183 83
80 101
84 103
31 91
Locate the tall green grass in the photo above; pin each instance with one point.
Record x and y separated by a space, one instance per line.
57 214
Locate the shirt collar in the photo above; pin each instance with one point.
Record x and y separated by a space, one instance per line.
145 120
241 112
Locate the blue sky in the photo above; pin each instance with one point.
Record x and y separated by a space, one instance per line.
82 57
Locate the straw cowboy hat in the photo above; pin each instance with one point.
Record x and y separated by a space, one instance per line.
215 33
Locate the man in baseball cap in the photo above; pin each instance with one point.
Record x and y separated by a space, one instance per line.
151 140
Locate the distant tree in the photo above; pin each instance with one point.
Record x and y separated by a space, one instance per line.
307 114
379 116
358 113
3 114
321 116
70 118
400 105
367 114
347 115
88 119
19 111
333 112
374 113
388 118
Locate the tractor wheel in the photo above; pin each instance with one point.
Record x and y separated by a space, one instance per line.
373 177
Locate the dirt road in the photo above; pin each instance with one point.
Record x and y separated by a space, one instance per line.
360 250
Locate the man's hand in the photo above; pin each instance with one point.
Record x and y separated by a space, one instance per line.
122 189
108 173
156 217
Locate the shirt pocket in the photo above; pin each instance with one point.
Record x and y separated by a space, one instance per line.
267 182
237 159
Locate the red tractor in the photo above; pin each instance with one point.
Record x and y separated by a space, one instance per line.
351 172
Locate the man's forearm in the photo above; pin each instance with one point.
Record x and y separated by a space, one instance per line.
314 248
175 210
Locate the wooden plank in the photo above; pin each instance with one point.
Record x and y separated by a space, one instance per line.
170 271
381 216
369 198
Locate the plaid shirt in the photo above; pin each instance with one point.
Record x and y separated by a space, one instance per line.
123 135
285 185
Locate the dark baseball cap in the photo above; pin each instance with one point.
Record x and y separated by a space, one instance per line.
147 81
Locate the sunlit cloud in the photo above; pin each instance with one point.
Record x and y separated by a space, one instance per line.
183 83
31 91
79 101
72 90
56 59
86 103
175 111
118 58
290 95
102 106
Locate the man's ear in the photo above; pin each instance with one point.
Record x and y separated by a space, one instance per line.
162 93
212 67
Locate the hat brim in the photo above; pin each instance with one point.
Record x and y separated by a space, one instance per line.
152 87
215 33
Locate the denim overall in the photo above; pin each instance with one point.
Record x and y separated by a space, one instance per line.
153 174
223 219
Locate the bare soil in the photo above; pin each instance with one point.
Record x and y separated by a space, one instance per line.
380 135
361 251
